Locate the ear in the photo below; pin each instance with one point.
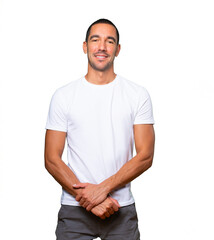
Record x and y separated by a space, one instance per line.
118 50
85 47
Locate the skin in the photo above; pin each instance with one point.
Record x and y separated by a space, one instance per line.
54 146
101 50
93 194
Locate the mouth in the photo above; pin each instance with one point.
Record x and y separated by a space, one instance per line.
100 56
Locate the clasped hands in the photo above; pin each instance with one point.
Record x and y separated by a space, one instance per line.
94 198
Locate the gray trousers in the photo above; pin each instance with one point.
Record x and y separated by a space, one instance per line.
76 223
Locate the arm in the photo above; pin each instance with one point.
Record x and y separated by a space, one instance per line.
54 146
144 142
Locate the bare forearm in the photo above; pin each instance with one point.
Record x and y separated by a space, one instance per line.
93 194
66 178
63 175
131 170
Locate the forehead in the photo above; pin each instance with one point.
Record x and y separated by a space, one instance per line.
103 29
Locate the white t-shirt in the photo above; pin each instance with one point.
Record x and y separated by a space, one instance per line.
99 123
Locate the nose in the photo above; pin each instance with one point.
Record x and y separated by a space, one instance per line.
102 45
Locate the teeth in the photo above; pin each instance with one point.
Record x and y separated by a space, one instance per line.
100 57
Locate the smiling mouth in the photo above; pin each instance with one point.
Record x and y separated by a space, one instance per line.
100 56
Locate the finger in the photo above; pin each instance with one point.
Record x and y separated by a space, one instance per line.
114 206
103 217
115 201
107 214
85 205
78 198
89 207
80 185
111 211
82 201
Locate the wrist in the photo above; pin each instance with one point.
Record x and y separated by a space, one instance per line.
106 185
77 191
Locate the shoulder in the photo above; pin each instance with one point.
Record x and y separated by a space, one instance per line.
66 91
69 87
133 88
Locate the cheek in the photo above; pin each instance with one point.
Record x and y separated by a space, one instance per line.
112 51
93 49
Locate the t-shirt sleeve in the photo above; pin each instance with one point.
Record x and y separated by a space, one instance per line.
57 115
144 111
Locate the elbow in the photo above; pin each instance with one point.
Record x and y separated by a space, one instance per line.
146 160
150 161
49 162
50 166
47 165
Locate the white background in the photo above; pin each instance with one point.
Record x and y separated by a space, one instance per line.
167 46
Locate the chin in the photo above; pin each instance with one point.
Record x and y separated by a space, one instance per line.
99 68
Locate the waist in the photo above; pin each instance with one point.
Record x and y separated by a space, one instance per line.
123 196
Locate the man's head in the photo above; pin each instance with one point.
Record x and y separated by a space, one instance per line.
105 21
101 45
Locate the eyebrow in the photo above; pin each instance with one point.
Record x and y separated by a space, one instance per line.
97 36
112 38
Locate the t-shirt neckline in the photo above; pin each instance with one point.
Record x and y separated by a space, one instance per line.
107 85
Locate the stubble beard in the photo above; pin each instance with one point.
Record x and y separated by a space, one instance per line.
100 69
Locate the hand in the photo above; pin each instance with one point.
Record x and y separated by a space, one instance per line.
91 194
106 208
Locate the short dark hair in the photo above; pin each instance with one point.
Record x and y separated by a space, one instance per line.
102 20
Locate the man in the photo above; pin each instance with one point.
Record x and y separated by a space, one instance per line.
101 115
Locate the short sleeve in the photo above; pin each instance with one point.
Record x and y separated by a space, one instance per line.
144 111
57 115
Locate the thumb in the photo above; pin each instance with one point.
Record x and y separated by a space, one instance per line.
115 201
80 185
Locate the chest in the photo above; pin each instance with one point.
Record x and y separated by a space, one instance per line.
101 109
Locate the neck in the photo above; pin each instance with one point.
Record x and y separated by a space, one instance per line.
100 78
